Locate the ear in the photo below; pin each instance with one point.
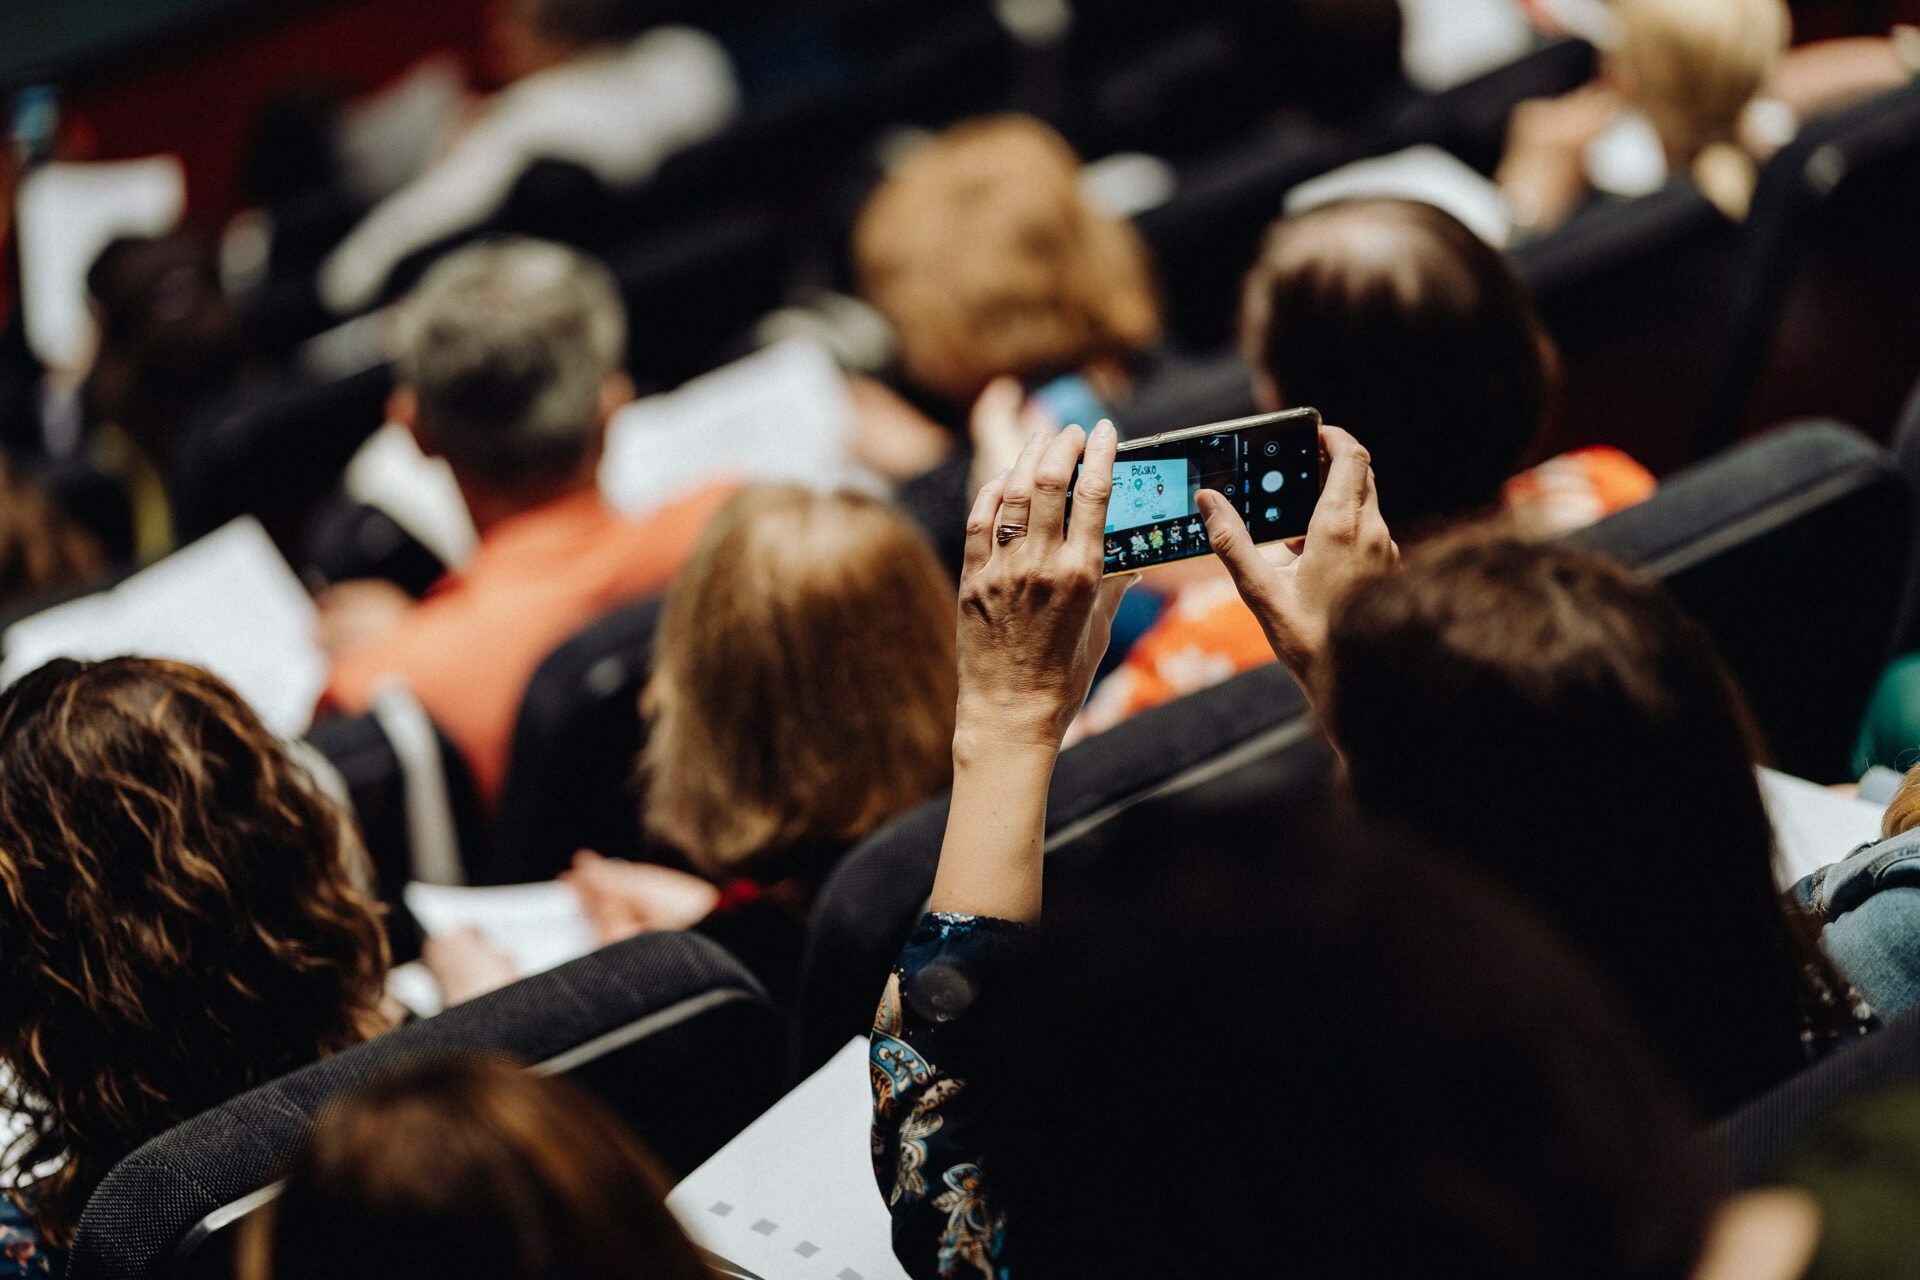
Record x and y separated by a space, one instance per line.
403 409
616 393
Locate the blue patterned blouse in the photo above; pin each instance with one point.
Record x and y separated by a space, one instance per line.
926 1133
20 1251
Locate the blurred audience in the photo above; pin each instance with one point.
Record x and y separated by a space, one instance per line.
184 916
1673 98
42 551
586 83
470 1166
802 695
510 367
1398 323
988 261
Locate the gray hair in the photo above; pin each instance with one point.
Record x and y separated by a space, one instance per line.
507 345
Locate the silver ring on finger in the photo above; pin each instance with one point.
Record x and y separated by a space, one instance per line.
1008 533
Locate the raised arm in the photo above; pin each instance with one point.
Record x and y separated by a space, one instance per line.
1034 620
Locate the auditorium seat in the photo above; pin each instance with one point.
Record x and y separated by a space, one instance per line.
1793 551
1906 454
666 1029
1636 296
1470 119
570 769
1248 732
1826 310
1752 1141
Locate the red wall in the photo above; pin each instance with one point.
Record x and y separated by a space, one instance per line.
199 98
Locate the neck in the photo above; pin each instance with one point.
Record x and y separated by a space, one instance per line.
492 507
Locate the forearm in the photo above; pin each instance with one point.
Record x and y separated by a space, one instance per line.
990 862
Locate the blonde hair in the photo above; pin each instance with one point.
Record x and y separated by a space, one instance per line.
1903 811
803 686
1693 66
987 259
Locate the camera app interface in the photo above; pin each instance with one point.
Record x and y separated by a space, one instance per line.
1269 472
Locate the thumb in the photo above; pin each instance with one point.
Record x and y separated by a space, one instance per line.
1227 535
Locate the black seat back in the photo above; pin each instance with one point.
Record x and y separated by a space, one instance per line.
570 769
1752 1141
1636 295
1792 551
1252 726
1826 316
666 1029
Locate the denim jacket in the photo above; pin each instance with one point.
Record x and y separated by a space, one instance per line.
1868 906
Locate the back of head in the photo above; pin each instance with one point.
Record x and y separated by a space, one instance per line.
1570 729
988 260
181 918
1693 65
470 1167
803 686
508 347
1402 326
1318 1051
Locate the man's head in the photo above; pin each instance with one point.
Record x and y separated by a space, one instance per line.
510 358
1402 326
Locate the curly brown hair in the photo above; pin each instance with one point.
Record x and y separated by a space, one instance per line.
179 911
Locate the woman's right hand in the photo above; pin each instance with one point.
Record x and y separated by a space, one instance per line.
1291 592
1034 611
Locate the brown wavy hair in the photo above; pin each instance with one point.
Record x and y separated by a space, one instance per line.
803 686
470 1166
179 917
982 252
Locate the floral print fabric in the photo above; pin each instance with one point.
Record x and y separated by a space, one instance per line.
927 1155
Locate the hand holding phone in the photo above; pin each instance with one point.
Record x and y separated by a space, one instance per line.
1267 467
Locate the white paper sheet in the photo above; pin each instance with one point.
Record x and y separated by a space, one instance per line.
540 925
68 213
1813 825
420 493
779 416
228 603
793 1197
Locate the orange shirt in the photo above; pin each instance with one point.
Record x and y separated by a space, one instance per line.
468 650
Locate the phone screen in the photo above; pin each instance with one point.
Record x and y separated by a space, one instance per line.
1268 467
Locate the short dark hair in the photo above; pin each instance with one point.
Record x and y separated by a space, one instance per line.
469 1165
1569 728
507 346
1401 325
1326 1046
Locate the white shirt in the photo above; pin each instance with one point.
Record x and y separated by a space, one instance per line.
618 112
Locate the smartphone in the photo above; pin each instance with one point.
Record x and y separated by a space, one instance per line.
1267 466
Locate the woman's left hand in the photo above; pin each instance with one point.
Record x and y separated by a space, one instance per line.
1034 611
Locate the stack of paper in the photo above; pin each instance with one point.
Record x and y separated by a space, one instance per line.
1814 825
793 1197
228 603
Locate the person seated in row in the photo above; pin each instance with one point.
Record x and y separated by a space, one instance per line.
989 262
802 695
510 366
470 1166
1603 713
185 916
1677 95
1398 323
587 83
1868 906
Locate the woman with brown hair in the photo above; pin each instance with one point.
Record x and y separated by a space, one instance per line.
802 694
181 916
470 1167
989 263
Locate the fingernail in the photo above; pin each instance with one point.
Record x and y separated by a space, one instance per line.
1104 429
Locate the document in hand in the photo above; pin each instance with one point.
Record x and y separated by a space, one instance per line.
1814 825
779 416
228 603
793 1197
